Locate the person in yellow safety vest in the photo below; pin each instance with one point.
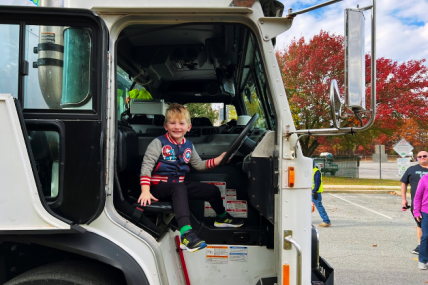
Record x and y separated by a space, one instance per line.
317 189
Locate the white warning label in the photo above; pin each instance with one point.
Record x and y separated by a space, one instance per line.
208 210
217 254
238 253
230 194
238 208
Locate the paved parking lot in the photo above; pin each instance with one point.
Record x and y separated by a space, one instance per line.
389 170
370 240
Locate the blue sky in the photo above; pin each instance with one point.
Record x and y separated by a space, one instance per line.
402 25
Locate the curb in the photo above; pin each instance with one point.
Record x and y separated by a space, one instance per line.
362 187
364 191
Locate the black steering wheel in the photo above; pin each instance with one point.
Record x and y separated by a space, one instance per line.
240 139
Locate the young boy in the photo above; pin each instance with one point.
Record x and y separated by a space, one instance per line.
164 167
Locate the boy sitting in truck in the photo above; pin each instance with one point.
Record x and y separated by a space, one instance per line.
164 168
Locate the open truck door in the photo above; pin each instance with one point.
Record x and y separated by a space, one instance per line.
52 120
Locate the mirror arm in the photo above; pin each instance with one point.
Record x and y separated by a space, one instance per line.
291 14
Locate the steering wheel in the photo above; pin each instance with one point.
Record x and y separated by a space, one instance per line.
240 139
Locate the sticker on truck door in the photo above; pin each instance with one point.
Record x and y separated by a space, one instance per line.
238 253
238 208
217 254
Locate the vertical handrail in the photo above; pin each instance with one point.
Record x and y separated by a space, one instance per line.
299 259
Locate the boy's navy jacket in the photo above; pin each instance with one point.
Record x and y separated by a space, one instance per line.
166 160
174 159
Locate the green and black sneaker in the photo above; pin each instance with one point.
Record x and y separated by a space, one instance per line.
191 242
228 222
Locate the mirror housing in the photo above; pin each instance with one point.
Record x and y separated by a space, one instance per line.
335 104
355 97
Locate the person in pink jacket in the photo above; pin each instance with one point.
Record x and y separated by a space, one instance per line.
420 212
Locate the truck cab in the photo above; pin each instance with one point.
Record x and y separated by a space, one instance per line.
84 89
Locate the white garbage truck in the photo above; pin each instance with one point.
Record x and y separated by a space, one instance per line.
73 138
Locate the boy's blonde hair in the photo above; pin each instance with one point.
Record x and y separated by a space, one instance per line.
177 110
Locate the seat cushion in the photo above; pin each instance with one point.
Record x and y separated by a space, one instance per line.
156 208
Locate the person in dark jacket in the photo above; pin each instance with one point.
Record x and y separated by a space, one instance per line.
412 176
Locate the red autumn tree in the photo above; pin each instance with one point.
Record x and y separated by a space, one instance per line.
401 100
307 69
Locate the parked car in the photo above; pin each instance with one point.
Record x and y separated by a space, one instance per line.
325 163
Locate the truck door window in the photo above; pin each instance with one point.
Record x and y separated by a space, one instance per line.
45 148
59 70
263 86
254 89
252 102
9 59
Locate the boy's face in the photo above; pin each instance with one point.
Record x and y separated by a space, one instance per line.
177 128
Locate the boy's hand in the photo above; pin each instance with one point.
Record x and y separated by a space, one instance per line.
146 197
219 158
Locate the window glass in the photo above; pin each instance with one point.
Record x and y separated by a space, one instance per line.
252 102
264 90
124 93
231 113
9 59
123 88
45 148
59 61
214 112
254 87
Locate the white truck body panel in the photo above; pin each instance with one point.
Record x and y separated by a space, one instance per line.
206 271
143 248
20 205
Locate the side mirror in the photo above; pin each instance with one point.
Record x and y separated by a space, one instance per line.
354 75
354 60
77 67
335 104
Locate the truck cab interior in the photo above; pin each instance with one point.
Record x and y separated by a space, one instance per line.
214 67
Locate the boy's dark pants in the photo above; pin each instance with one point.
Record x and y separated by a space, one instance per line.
181 193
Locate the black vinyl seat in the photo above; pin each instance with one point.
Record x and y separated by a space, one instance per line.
127 178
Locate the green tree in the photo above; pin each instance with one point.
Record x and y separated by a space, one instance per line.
231 112
198 110
255 107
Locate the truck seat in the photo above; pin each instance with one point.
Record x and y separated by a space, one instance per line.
128 169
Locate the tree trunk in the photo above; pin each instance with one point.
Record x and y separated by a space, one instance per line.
308 146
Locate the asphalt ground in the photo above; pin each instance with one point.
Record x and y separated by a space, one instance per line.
370 240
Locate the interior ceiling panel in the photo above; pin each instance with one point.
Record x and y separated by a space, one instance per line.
177 36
